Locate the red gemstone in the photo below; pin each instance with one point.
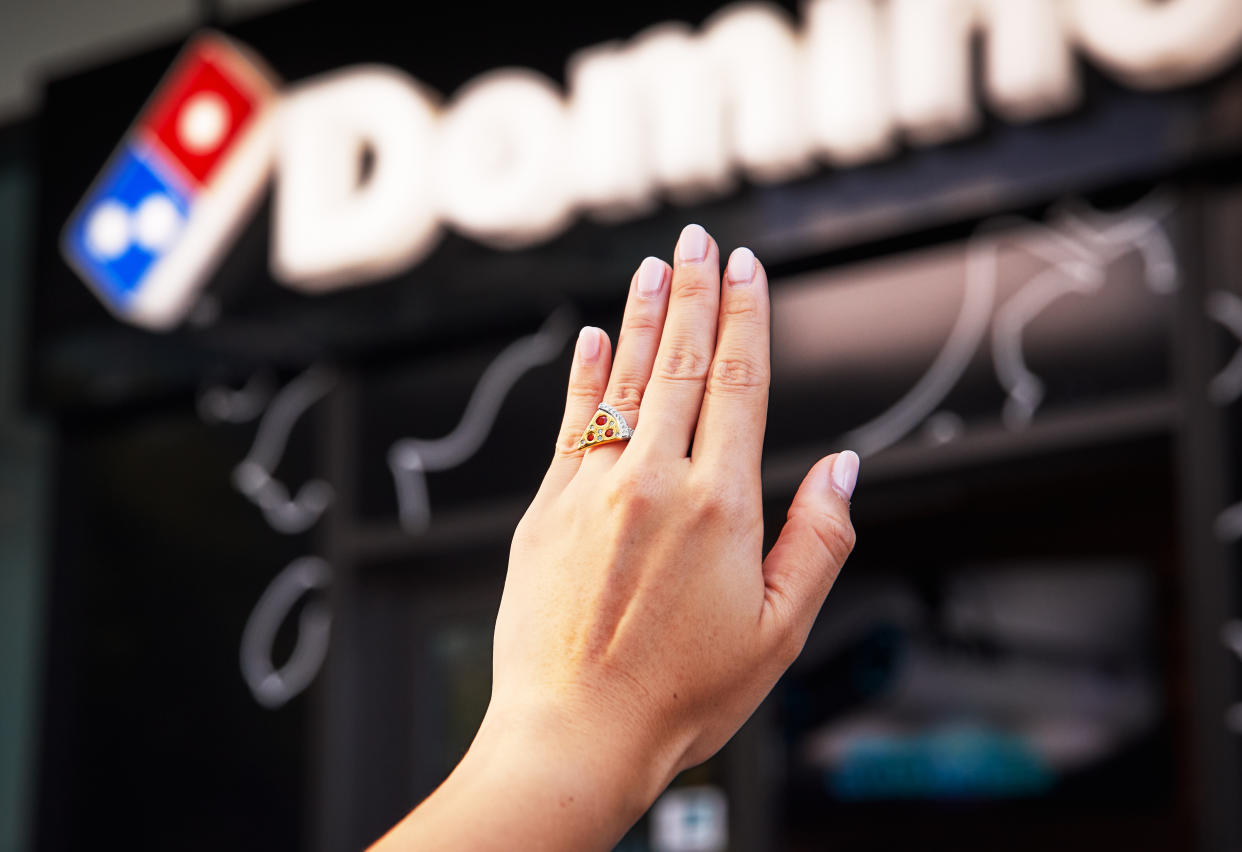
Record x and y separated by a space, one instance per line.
590 436
608 434
601 420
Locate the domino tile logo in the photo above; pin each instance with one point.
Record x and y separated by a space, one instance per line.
154 225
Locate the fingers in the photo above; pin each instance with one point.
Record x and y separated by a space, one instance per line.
637 343
675 391
735 401
592 357
812 547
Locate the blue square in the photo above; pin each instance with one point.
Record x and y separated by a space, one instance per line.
108 241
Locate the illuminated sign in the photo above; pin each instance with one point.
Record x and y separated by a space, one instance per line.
155 222
510 160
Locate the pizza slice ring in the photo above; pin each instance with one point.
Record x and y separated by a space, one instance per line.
607 425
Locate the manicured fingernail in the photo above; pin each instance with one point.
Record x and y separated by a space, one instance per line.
692 247
650 277
588 344
845 473
741 268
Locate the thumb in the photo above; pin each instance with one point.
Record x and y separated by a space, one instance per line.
814 544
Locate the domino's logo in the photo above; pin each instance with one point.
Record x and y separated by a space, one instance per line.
153 226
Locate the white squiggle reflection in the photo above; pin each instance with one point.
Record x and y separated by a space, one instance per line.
1226 387
273 687
410 459
254 475
1078 245
1025 390
968 330
1226 309
221 404
1107 236
1228 524
1231 637
1095 240
943 427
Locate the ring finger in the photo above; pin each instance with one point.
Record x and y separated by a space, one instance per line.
637 344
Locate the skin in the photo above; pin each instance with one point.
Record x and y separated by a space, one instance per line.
640 625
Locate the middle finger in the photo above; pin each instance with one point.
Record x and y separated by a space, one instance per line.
675 392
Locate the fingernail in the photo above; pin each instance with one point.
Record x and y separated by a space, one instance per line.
650 277
588 344
741 268
692 246
845 473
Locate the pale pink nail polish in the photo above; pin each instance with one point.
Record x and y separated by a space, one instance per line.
741 268
588 344
692 246
650 277
845 473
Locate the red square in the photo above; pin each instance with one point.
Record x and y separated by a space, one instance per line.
203 104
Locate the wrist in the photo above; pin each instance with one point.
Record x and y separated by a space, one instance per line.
543 778
609 773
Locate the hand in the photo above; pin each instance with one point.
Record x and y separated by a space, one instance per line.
640 624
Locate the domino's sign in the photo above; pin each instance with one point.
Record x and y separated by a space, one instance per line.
511 159
151 229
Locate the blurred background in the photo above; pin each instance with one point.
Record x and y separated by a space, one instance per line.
289 292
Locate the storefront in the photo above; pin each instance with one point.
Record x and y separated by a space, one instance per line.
303 397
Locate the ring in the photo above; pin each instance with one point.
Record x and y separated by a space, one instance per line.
606 426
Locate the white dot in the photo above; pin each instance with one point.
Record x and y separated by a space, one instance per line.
107 231
156 222
203 122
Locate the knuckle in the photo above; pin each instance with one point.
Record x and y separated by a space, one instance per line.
738 374
634 493
726 497
713 501
836 536
740 307
567 445
706 500
583 392
695 286
640 324
626 394
683 363
579 406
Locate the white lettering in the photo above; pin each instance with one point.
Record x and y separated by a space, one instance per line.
610 161
681 98
500 165
1158 45
333 226
929 43
757 59
848 90
1028 71
1030 60
673 112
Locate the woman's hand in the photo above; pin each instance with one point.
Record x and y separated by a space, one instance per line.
640 624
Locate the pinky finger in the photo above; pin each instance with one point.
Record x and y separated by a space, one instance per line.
587 378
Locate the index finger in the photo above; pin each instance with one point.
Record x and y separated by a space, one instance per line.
735 402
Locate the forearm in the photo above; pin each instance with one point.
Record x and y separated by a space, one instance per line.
520 787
